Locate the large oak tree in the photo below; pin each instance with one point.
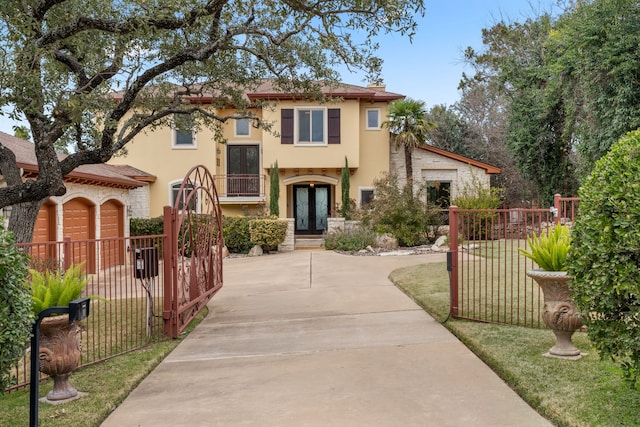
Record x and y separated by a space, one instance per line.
62 60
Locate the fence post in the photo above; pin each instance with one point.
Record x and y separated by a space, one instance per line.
68 253
168 258
452 264
556 208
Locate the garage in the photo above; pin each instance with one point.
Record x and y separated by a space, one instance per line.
45 231
79 225
111 233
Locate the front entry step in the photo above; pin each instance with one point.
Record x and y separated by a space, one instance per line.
309 242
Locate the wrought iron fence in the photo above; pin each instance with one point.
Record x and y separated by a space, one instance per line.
126 281
488 274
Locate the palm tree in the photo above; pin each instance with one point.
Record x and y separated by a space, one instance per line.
408 126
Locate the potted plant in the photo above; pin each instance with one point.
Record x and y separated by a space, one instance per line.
60 345
549 251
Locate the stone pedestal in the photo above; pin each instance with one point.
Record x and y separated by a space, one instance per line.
559 313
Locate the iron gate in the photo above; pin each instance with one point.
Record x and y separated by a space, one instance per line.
194 243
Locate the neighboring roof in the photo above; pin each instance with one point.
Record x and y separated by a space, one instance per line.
134 173
487 168
98 174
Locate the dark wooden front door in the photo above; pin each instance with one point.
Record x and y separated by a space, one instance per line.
311 208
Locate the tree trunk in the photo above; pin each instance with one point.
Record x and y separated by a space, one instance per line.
408 164
23 219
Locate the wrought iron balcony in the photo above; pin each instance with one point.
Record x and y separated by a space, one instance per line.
240 186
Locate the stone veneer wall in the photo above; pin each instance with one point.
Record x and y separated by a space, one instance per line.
428 166
289 243
139 202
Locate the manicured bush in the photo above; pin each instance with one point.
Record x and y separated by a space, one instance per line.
237 237
350 240
268 233
397 211
605 255
274 190
15 306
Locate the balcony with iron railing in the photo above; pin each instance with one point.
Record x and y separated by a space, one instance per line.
240 188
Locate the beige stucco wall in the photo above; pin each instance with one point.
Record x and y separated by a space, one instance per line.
428 166
366 150
152 152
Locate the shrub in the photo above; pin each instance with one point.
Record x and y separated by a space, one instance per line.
605 255
350 240
237 236
476 195
398 212
268 233
15 306
146 226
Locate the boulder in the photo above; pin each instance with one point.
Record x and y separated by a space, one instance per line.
386 242
255 251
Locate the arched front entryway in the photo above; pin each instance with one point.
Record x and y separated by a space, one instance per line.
311 198
312 204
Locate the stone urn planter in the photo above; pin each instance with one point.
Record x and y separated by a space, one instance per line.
60 351
559 312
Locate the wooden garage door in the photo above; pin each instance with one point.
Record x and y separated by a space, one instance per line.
111 228
79 224
44 232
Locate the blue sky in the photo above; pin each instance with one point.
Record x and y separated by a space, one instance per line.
429 69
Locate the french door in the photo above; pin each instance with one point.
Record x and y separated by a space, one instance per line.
311 208
243 170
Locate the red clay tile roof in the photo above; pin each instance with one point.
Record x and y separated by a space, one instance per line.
99 174
266 90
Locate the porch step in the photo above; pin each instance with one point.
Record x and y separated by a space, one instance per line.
309 242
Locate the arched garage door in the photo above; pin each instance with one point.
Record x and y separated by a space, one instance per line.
111 229
79 224
44 231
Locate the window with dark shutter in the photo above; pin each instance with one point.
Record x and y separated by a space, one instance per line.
333 125
286 130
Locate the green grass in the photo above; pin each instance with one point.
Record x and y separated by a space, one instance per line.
107 384
586 392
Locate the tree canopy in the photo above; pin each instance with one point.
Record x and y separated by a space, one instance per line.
63 60
569 83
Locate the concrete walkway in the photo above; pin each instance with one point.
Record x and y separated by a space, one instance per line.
315 338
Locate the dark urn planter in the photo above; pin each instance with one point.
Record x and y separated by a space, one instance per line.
60 350
559 313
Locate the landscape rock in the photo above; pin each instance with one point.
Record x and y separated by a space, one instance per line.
256 251
386 242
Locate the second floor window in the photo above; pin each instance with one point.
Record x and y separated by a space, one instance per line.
183 133
311 124
373 119
242 127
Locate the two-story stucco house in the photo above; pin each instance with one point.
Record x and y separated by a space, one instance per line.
309 140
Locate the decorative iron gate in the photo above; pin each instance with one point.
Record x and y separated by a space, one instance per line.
193 250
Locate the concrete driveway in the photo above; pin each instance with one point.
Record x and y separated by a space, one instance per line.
316 338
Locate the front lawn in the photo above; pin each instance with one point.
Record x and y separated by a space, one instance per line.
586 392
